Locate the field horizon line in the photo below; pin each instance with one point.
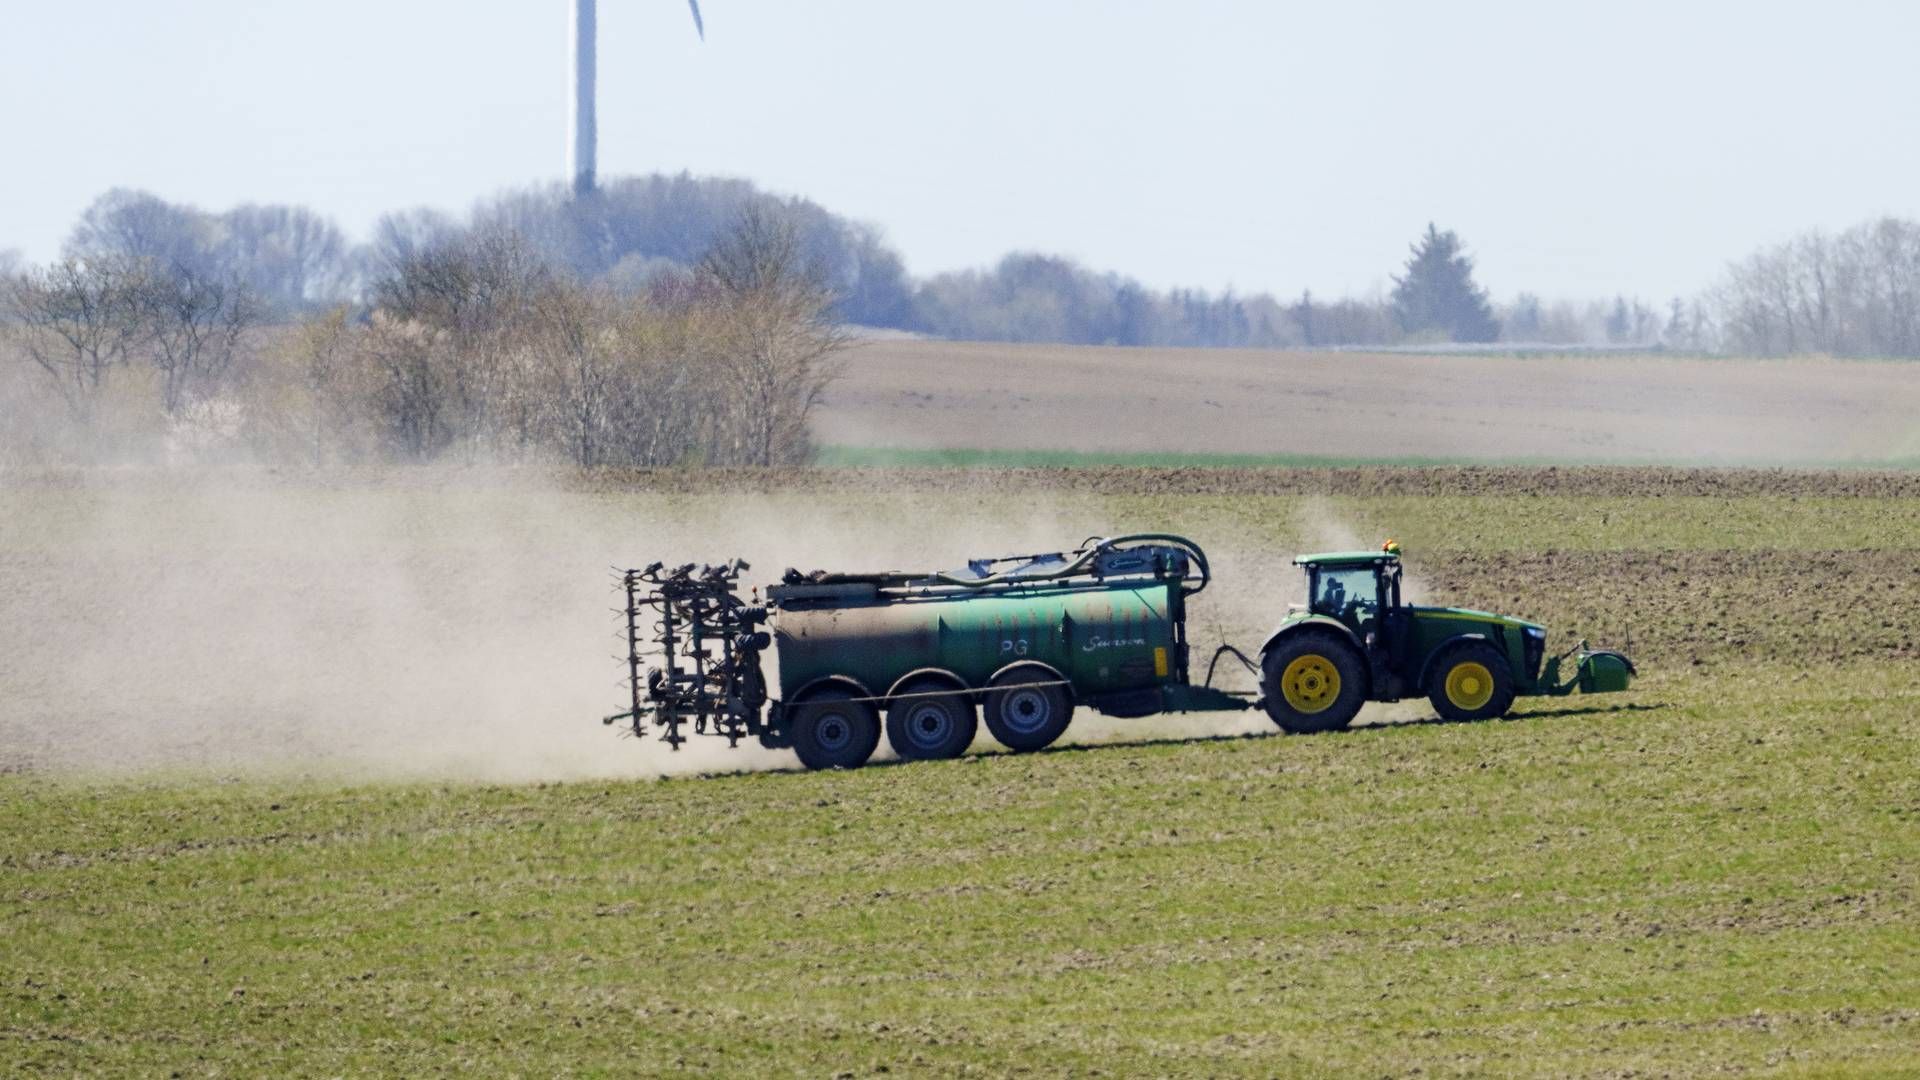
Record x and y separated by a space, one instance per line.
842 456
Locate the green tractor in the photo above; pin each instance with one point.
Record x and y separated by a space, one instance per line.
1354 641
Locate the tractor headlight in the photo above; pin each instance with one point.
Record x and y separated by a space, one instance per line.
1535 641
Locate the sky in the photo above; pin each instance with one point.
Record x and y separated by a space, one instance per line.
1579 149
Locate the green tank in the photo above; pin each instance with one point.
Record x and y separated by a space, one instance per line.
1025 639
1102 638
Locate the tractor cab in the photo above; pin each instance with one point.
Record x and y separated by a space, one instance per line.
1355 587
1360 590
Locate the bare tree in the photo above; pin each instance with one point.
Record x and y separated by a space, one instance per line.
288 256
76 320
135 225
404 235
1857 294
579 363
477 295
475 345
194 323
305 399
777 342
1892 271
407 392
471 286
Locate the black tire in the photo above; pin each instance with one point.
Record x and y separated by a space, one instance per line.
833 731
1023 712
1313 681
931 728
1457 687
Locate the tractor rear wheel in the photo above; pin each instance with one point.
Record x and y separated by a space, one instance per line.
1470 681
1313 681
933 727
1026 710
833 731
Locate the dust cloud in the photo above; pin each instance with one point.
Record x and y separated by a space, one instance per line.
223 620
461 624
1321 527
424 624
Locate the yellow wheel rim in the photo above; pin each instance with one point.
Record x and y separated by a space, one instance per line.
1310 684
1469 685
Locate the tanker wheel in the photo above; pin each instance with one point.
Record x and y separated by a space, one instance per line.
930 728
1024 711
1313 681
1470 681
833 731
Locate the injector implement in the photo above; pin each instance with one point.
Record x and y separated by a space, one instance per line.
1022 641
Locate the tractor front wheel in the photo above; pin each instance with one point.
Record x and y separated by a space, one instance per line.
1313 682
1470 681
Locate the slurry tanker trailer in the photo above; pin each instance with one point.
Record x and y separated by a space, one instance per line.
1023 641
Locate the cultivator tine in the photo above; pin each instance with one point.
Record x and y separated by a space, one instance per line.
707 644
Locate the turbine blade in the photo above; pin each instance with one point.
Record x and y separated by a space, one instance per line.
698 25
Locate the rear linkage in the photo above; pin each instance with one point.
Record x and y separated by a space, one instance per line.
709 643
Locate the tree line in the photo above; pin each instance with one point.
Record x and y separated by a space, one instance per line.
1855 294
1852 294
622 235
472 346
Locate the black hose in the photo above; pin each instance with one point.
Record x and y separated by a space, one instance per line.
995 579
1242 657
1199 556
1087 555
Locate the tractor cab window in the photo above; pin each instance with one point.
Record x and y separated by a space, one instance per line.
1344 593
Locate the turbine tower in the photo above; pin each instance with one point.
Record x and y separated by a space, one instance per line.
583 131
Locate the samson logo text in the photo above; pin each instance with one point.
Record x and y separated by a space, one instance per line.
1098 642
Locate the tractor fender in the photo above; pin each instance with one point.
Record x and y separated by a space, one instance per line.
1048 670
1312 622
1617 655
933 673
845 682
1426 666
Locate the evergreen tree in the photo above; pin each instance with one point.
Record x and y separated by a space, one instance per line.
1438 292
1620 323
1302 313
1524 321
1675 335
1133 315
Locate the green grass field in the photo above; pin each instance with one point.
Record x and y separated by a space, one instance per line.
1714 873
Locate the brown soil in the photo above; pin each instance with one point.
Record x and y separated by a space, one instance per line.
965 395
1687 607
1582 481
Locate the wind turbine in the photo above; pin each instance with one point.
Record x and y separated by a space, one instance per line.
585 32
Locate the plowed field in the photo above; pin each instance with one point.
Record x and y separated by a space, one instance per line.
1451 481
932 395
